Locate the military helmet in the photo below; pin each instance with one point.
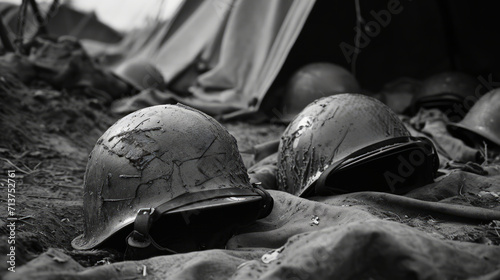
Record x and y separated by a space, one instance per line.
314 81
351 142
141 75
443 90
160 170
482 120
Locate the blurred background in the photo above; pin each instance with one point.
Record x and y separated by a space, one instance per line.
122 15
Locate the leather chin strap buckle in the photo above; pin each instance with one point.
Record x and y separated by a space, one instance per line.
139 237
140 244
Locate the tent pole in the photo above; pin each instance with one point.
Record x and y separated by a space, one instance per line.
4 36
357 37
42 28
52 9
21 21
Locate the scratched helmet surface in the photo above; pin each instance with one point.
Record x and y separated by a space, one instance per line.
141 75
160 155
335 129
313 81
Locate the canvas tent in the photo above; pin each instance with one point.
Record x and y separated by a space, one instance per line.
216 35
230 54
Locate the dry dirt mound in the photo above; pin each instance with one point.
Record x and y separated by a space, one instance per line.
46 136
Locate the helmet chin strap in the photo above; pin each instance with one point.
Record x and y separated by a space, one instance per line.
141 245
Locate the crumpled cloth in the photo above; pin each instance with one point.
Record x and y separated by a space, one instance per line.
365 235
431 123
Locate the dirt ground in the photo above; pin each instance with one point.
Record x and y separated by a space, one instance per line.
46 138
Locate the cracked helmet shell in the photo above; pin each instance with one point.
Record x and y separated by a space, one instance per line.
150 157
314 81
141 75
483 119
328 130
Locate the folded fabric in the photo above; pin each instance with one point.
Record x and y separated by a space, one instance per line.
432 233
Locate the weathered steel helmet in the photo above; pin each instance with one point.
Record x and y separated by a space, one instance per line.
157 167
352 142
443 90
482 120
314 81
140 75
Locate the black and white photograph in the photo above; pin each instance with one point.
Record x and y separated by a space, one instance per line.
249 139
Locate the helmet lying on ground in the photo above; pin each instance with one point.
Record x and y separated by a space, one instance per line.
313 81
445 91
167 179
482 122
351 142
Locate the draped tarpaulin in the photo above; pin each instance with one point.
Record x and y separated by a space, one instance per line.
234 49
434 232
